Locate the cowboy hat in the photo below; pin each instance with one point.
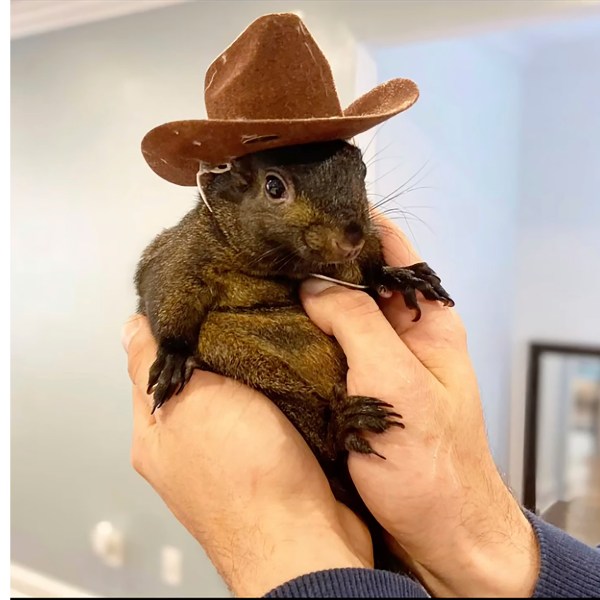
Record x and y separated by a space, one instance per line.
272 87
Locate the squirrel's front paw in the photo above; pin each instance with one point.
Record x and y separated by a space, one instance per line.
169 374
410 280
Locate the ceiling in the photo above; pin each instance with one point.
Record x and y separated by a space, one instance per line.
518 26
29 17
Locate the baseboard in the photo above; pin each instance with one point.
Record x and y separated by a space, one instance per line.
27 583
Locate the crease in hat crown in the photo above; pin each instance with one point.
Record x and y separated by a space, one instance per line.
271 87
250 60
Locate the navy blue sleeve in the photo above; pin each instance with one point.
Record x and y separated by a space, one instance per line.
349 583
568 569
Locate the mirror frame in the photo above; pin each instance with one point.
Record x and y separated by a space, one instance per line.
536 352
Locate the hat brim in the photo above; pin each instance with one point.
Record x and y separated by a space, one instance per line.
174 150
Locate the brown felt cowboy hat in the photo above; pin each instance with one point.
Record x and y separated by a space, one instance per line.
272 87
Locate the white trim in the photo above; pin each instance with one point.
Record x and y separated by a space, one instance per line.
26 583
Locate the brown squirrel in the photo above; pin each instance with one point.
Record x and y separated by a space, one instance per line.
220 290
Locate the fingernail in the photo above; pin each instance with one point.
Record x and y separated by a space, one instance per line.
314 286
129 330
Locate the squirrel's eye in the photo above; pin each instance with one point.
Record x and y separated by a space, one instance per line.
275 187
363 169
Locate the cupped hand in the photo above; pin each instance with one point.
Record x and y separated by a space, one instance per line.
438 493
239 477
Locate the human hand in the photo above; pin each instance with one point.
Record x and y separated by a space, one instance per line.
439 494
240 478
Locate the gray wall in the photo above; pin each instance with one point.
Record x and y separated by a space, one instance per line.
457 148
84 206
558 244
506 206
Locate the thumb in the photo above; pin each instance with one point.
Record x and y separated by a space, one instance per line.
354 319
139 343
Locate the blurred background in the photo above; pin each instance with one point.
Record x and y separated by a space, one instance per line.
497 167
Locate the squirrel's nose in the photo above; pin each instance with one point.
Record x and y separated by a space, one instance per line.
353 233
351 244
348 251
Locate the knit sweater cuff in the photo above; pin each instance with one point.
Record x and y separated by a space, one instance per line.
568 568
349 583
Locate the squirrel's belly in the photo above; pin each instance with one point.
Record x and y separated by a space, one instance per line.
274 343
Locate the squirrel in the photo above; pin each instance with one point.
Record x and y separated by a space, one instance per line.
220 290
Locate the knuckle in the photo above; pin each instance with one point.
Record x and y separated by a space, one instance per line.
139 354
137 374
136 459
457 328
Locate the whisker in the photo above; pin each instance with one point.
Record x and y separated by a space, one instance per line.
371 141
391 231
392 212
387 199
384 175
419 205
288 260
411 189
377 154
264 255
414 175
391 196
412 233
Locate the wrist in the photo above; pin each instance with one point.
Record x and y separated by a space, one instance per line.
269 552
491 552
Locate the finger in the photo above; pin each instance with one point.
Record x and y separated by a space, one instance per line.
142 415
358 325
397 249
141 350
399 252
142 451
130 328
435 317
438 339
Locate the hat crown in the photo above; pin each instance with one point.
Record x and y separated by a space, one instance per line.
273 71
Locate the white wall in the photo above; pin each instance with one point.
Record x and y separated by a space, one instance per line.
463 132
558 275
84 205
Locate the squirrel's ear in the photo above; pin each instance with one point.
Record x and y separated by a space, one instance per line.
241 172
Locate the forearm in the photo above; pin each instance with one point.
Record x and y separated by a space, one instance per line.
485 556
567 568
564 567
275 549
